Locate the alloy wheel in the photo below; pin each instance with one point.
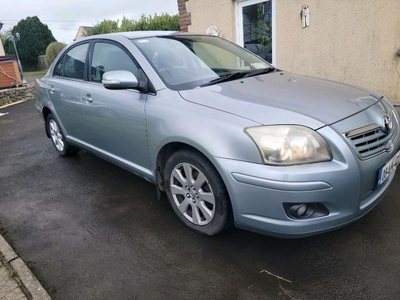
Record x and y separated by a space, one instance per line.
192 194
56 135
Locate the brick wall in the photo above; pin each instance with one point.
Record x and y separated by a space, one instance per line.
185 18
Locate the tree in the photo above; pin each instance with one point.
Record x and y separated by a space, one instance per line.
35 37
52 50
163 22
105 26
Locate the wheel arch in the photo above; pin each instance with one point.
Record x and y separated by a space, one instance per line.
165 152
46 111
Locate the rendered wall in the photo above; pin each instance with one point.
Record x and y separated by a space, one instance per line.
351 41
81 33
205 13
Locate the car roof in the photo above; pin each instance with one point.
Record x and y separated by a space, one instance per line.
141 34
138 34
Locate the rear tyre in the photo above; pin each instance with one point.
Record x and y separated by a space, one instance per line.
197 193
58 138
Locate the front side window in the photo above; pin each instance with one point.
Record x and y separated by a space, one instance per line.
186 62
74 62
110 57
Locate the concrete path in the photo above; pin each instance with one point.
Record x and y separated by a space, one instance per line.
16 280
9 289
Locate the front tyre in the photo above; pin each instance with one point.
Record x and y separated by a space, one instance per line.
197 193
58 139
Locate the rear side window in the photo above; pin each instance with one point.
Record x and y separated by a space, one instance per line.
72 64
58 70
110 57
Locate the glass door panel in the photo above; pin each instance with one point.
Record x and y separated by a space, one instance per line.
255 27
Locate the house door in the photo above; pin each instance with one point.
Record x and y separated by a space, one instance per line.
256 28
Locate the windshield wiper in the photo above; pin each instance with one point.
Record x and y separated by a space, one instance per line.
237 75
259 72
225 78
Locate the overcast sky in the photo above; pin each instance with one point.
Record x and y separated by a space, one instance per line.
65 16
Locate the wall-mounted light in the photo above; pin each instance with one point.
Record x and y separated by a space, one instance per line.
213 30
305 15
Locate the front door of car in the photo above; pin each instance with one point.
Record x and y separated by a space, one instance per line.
115 119
64 90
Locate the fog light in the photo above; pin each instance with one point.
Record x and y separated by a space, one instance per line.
305 211
302 210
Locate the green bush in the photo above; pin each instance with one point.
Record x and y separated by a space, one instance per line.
52 51
105 26
163 22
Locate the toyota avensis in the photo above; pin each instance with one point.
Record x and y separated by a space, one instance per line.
228 138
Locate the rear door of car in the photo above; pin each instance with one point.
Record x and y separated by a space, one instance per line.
115 119
64 89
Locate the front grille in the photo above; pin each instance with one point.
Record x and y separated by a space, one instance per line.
370 140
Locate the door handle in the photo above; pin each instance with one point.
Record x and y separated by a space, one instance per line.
87 98
52 89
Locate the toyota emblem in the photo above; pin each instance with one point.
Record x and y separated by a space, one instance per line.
387 123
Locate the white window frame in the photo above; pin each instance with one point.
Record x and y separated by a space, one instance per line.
239 23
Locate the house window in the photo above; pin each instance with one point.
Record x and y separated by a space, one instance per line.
256 27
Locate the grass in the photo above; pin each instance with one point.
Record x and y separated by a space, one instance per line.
36 72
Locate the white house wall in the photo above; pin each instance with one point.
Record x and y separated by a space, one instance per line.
351 41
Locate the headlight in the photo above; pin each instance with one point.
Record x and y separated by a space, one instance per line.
289 144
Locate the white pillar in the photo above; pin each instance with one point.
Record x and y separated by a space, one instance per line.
1 49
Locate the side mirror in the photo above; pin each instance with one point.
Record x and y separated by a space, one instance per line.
118 80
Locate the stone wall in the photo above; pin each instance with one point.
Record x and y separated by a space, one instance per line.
25 92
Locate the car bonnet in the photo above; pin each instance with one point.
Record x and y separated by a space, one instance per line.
285 98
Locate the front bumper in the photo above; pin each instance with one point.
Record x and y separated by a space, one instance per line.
258 191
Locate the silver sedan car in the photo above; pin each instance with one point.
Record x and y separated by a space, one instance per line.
226 136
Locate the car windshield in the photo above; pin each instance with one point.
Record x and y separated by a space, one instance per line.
188 61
